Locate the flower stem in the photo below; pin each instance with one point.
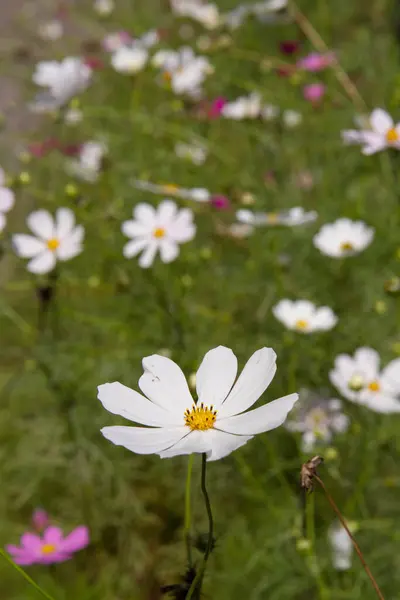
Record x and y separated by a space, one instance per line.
195 588
188 509
25 575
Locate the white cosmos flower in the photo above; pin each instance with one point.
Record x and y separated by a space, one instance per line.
205 13
217 424
89 162
129 60
245 107
51 30
53 239
104 7
383 133
342 547
360 379
64 80
196 194
193 152
304 316
291 118
343 238
158 230
184 71
7 200
292 217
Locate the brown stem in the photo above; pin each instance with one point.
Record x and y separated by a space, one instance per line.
320 45
356 546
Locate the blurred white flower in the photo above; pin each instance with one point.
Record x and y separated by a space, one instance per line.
383 133
89 162
342 547
171 189
104 7
73 116
54 239
129 60
245 107
158 230
216 424
235 17
291 118
64 80
269 112
51 30
205 13
303 316
195 153
360 379
317 419
183 70
292 217
7 200
149 39
113 41
343 238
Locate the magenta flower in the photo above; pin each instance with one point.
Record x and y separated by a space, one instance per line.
51 548
316 62
220 202
40 519
314 92
289 46
215 109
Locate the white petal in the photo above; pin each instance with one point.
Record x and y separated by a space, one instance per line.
169 250
7 199
368 359
145 213
3 222
391 375
252 383
374 147
42 224
225 443
380 121
165 384
134 229
325 318
261 419
382 403
166 212
65 222
134 247
68 250
27 246
43 263
195 442
147 258
122 400
144 440
216 376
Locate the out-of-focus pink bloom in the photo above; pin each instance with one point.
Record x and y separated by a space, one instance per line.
316 62
285 70
40 519
314 92
70 149
94 63
40 149
220 202
114 41
215 109
51 548
289 46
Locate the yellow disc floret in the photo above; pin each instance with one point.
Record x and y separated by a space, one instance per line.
392 136
53 244
374 386
200 417
159 232
301 324
48 548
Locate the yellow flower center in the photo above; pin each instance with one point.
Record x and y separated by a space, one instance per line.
48 549
170 188
374 386
301 324
167 76
159 232
200 417
53 244
392 136
272 218
346 246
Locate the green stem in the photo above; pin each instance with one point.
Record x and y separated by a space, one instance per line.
313 564
195 588
25 575
188 509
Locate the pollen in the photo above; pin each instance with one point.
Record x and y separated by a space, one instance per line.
301 324
392 136
170 188
48 548
159 232
200 417
53 244
374 386
346 246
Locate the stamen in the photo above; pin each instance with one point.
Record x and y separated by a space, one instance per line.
200 417
392 136
374 386
53 244
159 232
346 246
301 324
48 548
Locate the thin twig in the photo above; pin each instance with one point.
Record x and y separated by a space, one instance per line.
356 546
320 45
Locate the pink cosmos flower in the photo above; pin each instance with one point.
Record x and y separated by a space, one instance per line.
40 519
220 202
51 548
215 109
316 62
314 92
289 46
